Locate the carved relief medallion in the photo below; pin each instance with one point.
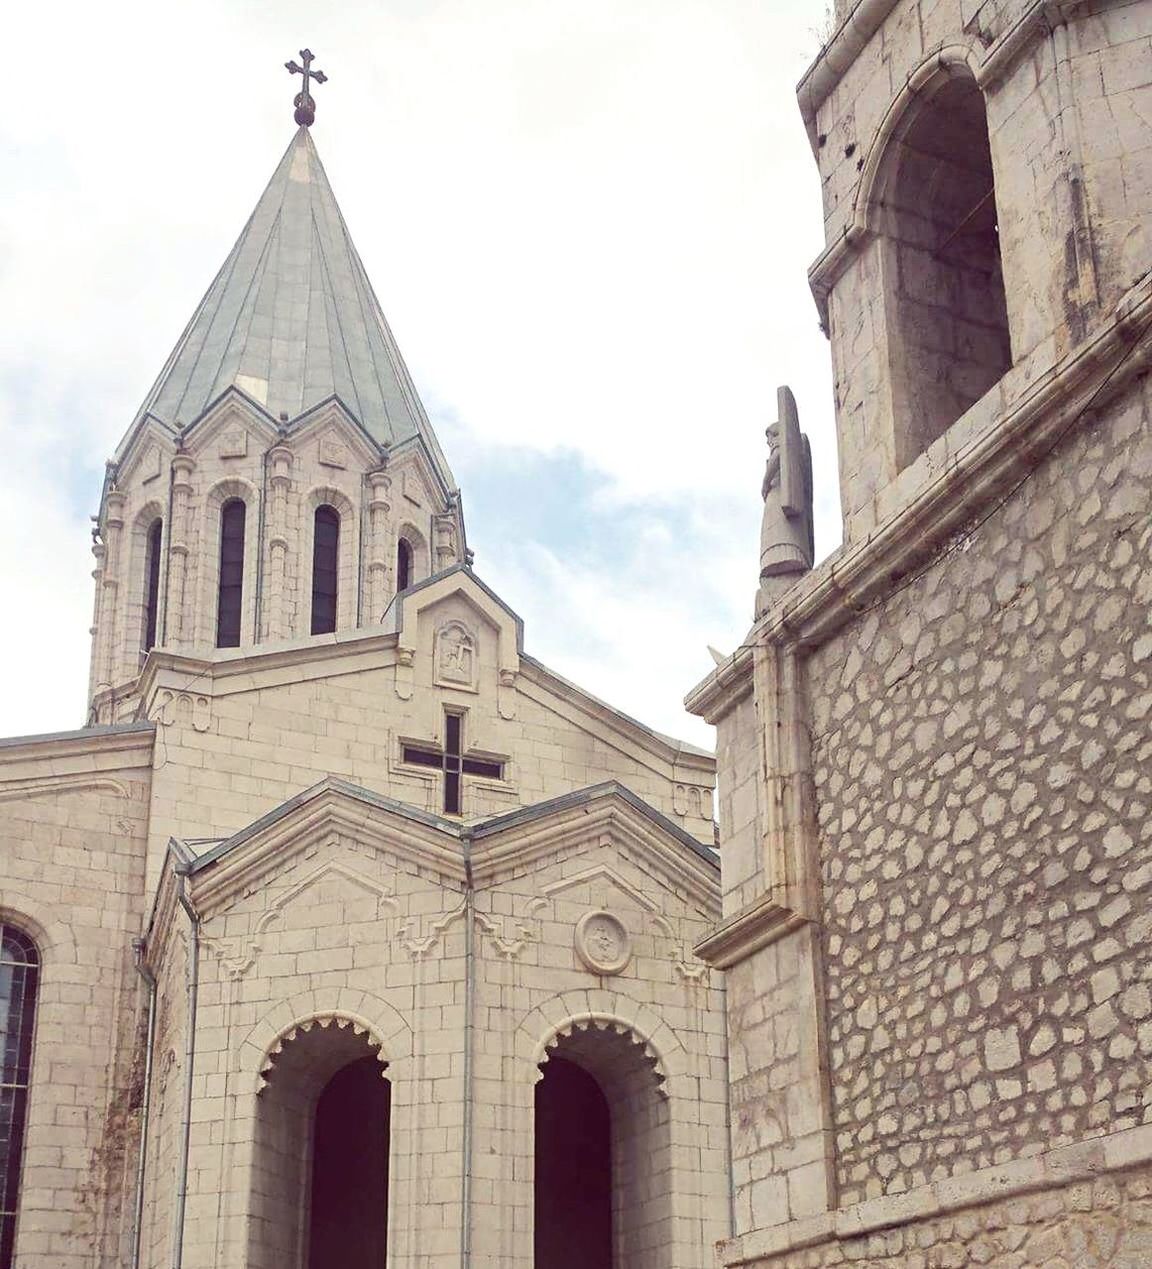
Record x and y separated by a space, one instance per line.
456 655
602 942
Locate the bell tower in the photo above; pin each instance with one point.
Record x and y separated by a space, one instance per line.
281 480
982 218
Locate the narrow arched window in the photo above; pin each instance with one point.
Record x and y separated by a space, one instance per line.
19 979
152 582
948 330
403 564
325 560
231 593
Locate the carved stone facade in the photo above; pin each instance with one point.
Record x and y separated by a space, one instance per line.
935 808
253 873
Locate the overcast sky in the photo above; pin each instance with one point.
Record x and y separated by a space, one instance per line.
589 224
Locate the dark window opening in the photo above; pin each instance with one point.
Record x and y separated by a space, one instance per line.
348 1228
573 1170
325 563
453 762
231 592
19 979
949 337
152 582
403 564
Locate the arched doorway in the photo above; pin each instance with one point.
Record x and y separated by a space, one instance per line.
603 1155
321 1166
348 1216
573 1170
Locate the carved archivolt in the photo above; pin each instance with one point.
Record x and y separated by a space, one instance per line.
579 1036
351 1037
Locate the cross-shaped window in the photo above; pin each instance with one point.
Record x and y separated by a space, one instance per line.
453 761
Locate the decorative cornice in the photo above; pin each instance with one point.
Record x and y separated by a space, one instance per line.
106 742
762 922
1003 452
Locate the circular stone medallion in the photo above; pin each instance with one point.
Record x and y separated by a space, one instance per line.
602 942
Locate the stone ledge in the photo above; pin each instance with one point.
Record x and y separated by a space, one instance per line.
762 922
1054 1169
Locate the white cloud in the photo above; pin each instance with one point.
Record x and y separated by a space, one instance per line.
589 226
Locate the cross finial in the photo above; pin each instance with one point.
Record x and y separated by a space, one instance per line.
304 103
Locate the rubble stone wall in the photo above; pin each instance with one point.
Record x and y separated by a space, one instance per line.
981 765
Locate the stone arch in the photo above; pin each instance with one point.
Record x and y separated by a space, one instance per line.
321 1145
603 1109
945 62
928 194
541 1030
418 543
367 1014
220 493
348 553
54 940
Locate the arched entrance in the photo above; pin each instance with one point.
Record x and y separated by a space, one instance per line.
323 1131
603 1155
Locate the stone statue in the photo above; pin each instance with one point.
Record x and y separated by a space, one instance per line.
786 545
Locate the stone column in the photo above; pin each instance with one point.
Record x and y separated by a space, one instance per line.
276 622
379 545
177 626
110 588
95 630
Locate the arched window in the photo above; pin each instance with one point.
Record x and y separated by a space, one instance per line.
325 561
403 564
230 597
152 581
948 327
19 978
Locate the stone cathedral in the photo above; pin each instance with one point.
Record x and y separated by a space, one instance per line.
346 933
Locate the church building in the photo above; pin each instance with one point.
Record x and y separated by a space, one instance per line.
346 932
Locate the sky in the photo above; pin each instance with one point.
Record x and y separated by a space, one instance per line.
589 225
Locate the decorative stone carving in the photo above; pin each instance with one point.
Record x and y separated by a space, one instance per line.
602 942
234 444
456 656
185 708
332 453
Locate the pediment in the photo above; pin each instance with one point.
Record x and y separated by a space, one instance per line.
283 843
235 425
336 437
144 464
421 614
650 852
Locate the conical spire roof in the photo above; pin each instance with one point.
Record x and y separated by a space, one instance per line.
292 320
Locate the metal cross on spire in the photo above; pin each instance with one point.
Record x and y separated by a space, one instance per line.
304 102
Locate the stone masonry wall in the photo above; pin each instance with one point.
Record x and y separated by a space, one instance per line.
981 764
1102 1224
72 834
